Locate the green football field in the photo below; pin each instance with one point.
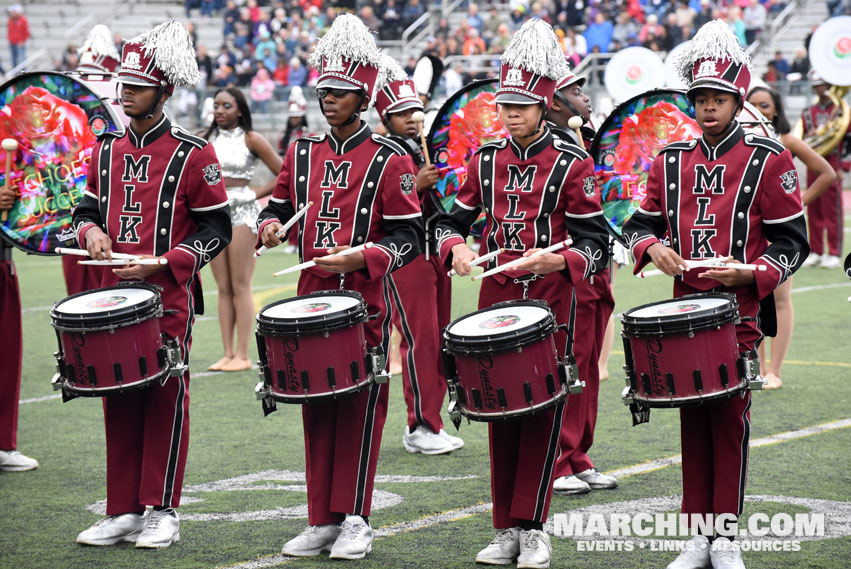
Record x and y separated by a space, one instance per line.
244 493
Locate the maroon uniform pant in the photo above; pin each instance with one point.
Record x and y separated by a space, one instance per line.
523 451
342 437
714 437
824 216
11 351
421 293
594 305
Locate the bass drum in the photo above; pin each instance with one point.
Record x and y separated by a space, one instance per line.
56 119
467 120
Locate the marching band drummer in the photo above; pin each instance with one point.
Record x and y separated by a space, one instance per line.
575 473
154 191
534 188
363 189
726 193
421 291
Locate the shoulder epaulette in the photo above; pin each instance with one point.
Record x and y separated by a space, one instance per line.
681 145
569 148
392 145
498 144
314 138
112 134
186 136
765 142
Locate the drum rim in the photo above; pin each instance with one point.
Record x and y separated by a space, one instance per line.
679 323
482 417
108 319
310 325
525 336
598 136
79 78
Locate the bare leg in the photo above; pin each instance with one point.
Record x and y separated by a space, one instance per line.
240 255
221 272
785 325
394 360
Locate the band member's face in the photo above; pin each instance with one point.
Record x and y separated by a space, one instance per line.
764 104
225 111
821 90
579 100
714 110
402 123
519 120
339 104
137 100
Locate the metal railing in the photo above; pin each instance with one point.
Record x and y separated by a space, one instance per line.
782 21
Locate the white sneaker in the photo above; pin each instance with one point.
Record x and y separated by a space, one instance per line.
313 540
163 528
812 260
503 550
425 441
535 550
830 262
114 529
570 485
13 461
354 541
456 442
695 555
725 554
597 480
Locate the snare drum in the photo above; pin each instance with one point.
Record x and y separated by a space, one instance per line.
313 347
110 341
683 351
502 361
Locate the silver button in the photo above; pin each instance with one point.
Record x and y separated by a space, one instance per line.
165 205
301 178
672 186
300 206
486 158
180 154
546 214
672 159
755 162
670 213
675 239
747 189
163 231
106 147
544 238
749 138
103 199
487 210
360 239
487 182
303 152
552 188
740 215
380 158
364 211
103 172
739 243
563 162
171 178
369 184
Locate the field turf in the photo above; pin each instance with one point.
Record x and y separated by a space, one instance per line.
430 511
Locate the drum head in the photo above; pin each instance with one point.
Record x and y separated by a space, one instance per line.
690 312
467 120
56 120
106 307
316 312
626 144
501 327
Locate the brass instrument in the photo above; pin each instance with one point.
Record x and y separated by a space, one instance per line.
825 138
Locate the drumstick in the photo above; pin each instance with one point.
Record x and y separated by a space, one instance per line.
308 264
136 261
691 265
283 230
576 123
84 253
419 118
9 145
479 260
515 262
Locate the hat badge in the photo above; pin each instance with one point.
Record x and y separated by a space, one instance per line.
405 91
334 64
514 77
132 61
707 69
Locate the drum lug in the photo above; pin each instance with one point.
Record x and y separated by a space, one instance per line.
750 363
56 381
626 396
570 376
176 367
376 365
454 409
261 391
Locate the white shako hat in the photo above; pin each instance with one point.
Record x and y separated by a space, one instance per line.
347 57
162 57
714 59
395 91
98 52
531 65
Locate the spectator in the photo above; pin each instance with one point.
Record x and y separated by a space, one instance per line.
243 35
673 32
599 33
262 25
230 17
412 10
281 74
392 19
781 65
517 17
367 14
298 74
245 67
118 41
684 14
473 19
651 26
207 8
491 26
771 76
798 71
623 28
738 25
268 58
193 33
754 16
411 65
704 14
225 57
473 42
205 62
278 21
18 32
254 11
501 41
575 46
225 77
69 59
262 90
655 8
262 42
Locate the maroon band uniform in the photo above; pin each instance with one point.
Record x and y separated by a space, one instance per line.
738 198
363 190
160 193
11 349
533 198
